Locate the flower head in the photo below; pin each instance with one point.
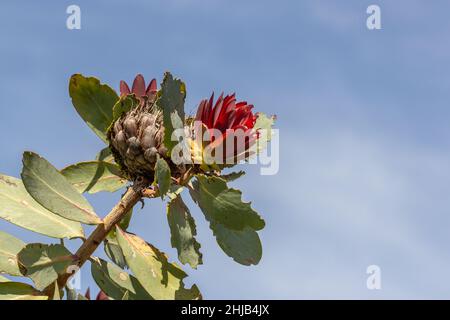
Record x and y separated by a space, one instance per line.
226 114
136 137
229 127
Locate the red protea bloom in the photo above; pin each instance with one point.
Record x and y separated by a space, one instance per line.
138 87
229 117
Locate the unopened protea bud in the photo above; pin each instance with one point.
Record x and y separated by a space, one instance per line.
137 136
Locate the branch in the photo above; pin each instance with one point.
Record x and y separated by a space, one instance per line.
128 201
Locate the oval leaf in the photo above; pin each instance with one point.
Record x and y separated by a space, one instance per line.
52 190
111 246
44 263
18 207
19 291
244 246
162 176
115 282
94 102
94 176
161 279
183 232
9 248
171 99
225 205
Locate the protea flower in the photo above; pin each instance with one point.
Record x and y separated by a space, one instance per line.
137 137
229 126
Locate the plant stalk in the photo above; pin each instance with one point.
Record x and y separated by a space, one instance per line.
133 195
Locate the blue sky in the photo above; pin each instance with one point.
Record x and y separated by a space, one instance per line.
363 118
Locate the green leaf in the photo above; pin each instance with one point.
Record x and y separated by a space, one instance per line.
43 263
9 248
232 176
111 246
94 176
4 279
161 279
18 207
162 176
105 155
19 291
171 100
244 246
183 232
94 102
52 190
264 125
123 105
225 205
114 252
115 282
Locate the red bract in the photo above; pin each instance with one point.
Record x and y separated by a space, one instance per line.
138 87
230 118
100 296
226 114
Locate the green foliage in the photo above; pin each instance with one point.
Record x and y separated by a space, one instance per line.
94 176
94 102
123 105
171 101
54 192
9 248
183 232
224 205
111 246
162 176
105 155
51 202
18 207
115 282
243 245
114 252
161 279
19 291
43 263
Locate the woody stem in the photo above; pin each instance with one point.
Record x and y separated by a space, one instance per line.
133 195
